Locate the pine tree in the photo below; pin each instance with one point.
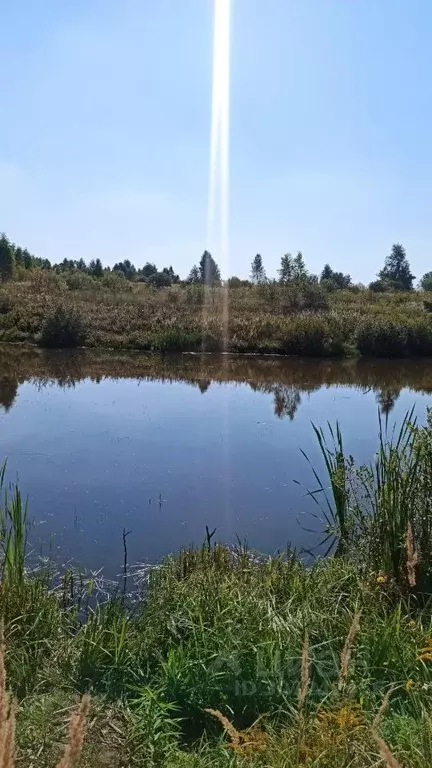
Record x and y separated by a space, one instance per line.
327 272
397 270
209 270
28 260
19 257
258 275
286 270
299 267
96 268
6 259
194 276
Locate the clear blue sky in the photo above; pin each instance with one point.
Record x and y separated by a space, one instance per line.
105 121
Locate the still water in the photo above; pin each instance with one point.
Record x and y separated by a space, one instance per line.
162 447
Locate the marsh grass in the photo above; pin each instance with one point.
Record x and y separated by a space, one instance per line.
380 513
293 320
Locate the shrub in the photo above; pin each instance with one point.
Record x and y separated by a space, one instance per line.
80 281
45 281
382 337
379 286
63 327
115 282
6 303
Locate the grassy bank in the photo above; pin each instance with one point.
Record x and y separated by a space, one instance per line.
286 319
294 662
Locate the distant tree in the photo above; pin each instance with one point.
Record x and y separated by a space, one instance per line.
28 261
397 270
258 275
147 272
19 257
299 267
209 270
95 268
334 280
127 268
81 265
286 269
235 282
194 276
426 282
341 281
6 259
67 265
172 276
327 273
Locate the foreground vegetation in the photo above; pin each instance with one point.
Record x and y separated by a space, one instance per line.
225 658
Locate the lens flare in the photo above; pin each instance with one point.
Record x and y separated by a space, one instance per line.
218 205
218 199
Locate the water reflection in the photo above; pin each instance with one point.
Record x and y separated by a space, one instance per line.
287 379
164 446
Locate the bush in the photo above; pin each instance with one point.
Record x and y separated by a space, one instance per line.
6 303
383 337
379 286
80 281
115 282
45 281
63 328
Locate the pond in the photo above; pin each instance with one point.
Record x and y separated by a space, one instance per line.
163 446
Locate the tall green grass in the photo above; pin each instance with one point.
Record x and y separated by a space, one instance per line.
376 512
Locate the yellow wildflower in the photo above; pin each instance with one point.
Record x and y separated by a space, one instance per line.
409 685
380 579
412 624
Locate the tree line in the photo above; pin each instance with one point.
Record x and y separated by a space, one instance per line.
395 275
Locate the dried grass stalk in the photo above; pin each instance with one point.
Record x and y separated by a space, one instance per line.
76 735
347 651
7 714
412 557
386 753
381 712
304 674
227 725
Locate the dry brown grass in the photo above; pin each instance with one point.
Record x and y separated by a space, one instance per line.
386 753
347 651
304 674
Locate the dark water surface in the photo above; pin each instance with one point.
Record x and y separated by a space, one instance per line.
164 446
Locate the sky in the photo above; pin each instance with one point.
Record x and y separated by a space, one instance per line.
105 131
